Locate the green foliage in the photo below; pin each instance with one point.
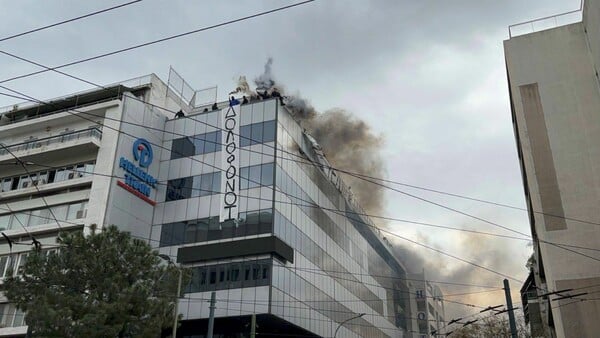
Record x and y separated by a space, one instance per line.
103 285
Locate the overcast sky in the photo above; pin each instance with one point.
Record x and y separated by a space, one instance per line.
428 76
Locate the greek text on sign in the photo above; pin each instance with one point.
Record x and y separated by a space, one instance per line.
230 160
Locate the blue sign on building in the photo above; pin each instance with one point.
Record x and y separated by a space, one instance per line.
137 179
142 152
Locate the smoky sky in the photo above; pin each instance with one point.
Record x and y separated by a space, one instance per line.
424 80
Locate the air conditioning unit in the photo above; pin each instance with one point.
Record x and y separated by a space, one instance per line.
25 184
71 176
81 214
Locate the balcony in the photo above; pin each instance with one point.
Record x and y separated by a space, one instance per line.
41 150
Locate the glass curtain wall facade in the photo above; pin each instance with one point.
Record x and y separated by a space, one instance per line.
340 268
192 202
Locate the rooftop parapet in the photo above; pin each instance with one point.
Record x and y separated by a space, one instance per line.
545 23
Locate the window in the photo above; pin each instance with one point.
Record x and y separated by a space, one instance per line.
256 175
5 222
206 184
179 188
47 176
227 276
41 216
256 133
77 210
194 186
6 184
209 228
196 145
182 147
24 182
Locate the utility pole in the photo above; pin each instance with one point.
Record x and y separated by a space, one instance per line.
511 313
176 315
253 326
211 319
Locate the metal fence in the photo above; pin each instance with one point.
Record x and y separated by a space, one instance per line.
547 22
38 143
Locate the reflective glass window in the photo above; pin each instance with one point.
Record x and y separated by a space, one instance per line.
75 211
244 177
60 212
257 133
182 147
269 131
254 176
20 219
266 175
39 216
179 188
5 222
245 135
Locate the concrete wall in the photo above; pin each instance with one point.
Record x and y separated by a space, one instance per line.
124 209
556 101
591 23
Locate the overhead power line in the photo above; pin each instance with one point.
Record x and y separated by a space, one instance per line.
153 42
392 234
69 20
354 174
308 163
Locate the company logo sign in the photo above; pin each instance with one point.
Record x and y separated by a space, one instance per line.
142 152
230 186
137 180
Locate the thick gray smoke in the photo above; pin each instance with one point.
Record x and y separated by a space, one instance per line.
485 251
348 142
351 145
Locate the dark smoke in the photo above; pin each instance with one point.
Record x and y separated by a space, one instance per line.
484 251
351 145
348 142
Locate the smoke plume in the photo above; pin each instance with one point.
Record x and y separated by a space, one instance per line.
351 145
484 251
348 142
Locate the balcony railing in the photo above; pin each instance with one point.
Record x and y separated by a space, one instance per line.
547 22
65 137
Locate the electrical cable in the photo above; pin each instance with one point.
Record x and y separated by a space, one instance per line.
171 37
215 167
68 20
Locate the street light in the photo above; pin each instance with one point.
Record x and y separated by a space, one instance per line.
345 321
175 314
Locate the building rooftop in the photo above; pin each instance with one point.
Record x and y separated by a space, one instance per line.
545 23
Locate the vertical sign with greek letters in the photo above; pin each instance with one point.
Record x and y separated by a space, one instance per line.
230 159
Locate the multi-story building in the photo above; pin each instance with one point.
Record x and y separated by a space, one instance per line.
555 102
428 302
532 307
238 193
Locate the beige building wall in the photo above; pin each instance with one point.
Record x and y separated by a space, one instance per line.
555 102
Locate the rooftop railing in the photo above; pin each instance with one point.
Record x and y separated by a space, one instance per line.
547 22
65 137
131 83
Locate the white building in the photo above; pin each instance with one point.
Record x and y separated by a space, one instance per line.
555 102
223 190
428 305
